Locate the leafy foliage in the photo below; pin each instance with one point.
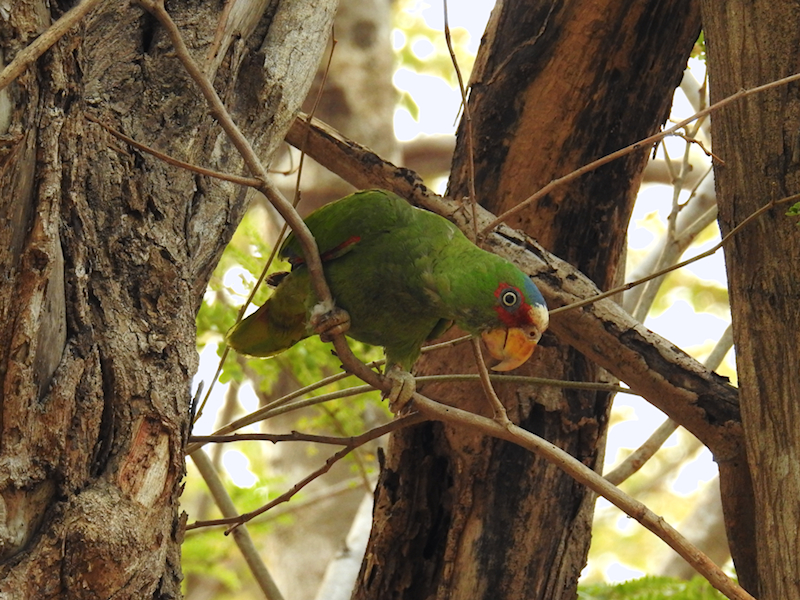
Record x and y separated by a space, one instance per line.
422 49
794 211
651 588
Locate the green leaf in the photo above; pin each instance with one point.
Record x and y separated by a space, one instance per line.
651 588
794 211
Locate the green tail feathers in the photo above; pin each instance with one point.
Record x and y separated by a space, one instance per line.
278 325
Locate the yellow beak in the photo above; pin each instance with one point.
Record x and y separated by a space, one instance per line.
512 347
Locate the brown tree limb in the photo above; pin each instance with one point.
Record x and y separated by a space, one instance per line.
653 367
44 42
646 451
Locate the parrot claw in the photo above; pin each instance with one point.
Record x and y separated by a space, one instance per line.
329 323
403 388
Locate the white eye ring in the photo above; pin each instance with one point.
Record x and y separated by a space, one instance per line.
509 298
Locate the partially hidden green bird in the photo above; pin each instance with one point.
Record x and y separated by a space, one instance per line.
404 275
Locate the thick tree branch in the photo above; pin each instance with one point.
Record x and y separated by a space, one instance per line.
692 395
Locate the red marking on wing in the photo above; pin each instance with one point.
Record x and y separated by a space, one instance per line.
296 261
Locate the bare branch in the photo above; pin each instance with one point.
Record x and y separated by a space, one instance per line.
500 414
44 42
583 474
642 144
652 366
241 536
470 152
286 496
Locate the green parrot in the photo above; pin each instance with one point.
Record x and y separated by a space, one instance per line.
404 275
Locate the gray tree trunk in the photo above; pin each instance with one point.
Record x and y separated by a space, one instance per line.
105 256
752 43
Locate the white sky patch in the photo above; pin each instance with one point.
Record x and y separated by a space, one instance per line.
422 48
617 572
205 371
237 466
685 328
247 397
398 39
240 281
438 105
695 473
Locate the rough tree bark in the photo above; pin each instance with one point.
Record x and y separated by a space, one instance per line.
555 86
749 44
106 254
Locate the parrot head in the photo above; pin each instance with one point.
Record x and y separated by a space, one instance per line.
522 317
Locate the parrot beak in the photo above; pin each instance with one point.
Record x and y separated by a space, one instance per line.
512 347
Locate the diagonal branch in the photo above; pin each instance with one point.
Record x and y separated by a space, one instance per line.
569 464
241 536
44 42
653 367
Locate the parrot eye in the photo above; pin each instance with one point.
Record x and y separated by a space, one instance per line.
509 298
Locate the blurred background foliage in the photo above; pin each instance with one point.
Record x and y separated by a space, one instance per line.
300 537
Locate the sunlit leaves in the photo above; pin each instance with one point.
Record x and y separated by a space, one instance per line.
422 49
651 588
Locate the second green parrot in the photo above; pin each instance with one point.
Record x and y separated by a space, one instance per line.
404 275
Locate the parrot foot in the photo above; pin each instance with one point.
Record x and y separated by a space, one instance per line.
403 387
328 321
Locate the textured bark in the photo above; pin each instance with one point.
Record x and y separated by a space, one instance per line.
106 254
751 43
555 86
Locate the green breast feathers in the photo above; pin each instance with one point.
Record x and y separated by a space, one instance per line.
404 275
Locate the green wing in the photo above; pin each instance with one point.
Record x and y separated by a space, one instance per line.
341 225
338 228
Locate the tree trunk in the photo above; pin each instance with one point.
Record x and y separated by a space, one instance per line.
106 254
555 86
749 44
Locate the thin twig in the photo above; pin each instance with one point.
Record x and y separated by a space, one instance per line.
357 458
283 404
237 179
641 144
275 438
241 536
500 414
45 41
360 440
680 265
264 413
473 199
